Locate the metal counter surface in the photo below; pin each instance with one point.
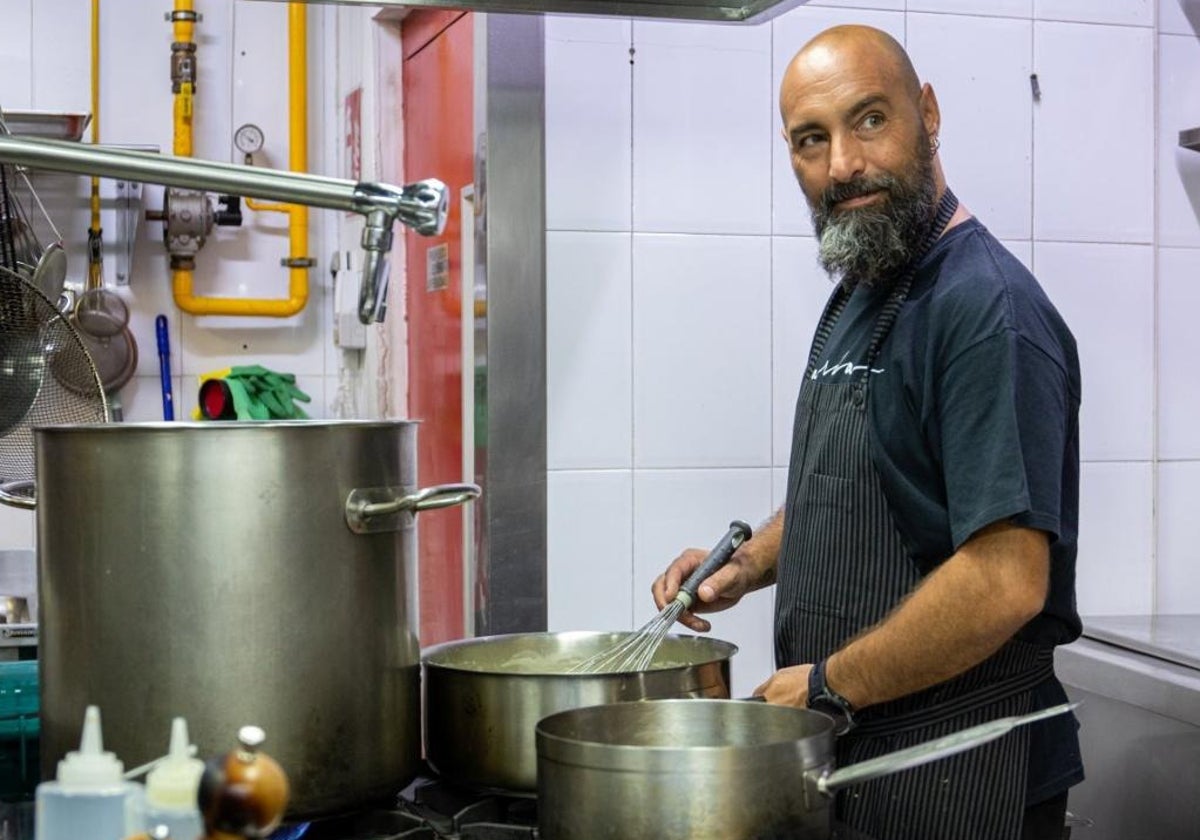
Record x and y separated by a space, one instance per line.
1173 638
1137 680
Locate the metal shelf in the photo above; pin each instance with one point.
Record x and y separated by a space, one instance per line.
1189 138
47 125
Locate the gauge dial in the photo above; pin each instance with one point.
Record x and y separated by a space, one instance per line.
248 138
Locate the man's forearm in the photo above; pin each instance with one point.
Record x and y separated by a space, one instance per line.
761 553
961 613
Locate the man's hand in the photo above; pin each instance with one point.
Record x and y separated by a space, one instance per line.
751 567
787 687
720 591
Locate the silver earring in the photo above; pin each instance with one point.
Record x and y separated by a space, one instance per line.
934 145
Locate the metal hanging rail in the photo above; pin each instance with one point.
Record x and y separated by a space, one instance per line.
421 205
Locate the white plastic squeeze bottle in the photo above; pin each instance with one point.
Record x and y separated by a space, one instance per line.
90 799
172 787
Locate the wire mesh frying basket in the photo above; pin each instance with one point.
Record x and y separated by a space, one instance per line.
47 378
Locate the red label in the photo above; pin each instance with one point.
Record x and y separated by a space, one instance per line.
354 134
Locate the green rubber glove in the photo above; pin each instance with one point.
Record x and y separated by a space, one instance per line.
275 392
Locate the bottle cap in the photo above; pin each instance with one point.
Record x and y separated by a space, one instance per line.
175 781
90 766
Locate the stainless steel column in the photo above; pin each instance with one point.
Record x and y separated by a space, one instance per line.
510 338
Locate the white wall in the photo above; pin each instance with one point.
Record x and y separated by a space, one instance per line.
44 65
683 286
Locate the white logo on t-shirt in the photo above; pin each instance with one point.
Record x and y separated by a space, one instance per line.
842 367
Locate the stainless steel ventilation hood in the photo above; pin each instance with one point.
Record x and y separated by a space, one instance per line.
755 11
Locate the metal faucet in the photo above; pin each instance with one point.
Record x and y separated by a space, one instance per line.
421 205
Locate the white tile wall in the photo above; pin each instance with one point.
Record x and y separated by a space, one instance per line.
1178 349
590 552
891 5
589 118
1115 567
701 351
1125 12
701 128
1022 250
800 289
1091 183
17 527
778 487
1178 168
16 47
678 509
584 29
1181 17
789 210
1003 8
61 78
1178 573
1106 295
994 180
589 350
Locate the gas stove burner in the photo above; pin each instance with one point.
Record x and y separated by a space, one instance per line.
428 809
367 825
458 812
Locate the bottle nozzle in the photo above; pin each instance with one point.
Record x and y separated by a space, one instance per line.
92 741
90 766
179 740
173 782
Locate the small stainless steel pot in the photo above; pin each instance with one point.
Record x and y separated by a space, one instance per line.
484 697
707 769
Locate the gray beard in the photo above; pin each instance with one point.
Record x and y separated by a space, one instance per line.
872 245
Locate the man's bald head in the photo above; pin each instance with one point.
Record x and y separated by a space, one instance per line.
862 133
842 47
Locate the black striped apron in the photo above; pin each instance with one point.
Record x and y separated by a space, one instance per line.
842 568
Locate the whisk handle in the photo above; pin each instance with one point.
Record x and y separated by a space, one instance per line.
737 534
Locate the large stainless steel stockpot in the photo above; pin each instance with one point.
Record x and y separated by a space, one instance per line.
236 573
484 697
708 769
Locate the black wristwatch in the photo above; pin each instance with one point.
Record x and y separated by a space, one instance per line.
822 698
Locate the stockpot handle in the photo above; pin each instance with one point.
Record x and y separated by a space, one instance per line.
18 494
968 739
372 510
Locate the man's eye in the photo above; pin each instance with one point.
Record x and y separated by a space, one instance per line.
806 142
872 121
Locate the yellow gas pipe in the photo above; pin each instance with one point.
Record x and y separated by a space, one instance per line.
298 261
95 246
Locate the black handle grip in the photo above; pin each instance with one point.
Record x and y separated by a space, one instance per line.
737 534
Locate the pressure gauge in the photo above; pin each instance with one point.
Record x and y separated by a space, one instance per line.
248 139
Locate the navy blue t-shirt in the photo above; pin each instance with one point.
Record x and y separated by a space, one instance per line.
973 403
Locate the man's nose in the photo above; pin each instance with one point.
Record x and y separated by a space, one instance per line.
845 159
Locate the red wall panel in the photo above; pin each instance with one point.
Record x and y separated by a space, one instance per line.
439 143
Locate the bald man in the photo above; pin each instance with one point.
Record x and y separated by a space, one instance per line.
924 560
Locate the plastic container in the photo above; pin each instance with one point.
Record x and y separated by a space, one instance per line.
173 786
20 728
90 798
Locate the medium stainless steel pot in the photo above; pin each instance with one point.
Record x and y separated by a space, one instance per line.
708 769
484 697
236 573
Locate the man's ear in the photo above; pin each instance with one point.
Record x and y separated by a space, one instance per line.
931 114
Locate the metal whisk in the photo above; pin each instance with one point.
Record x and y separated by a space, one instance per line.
636 652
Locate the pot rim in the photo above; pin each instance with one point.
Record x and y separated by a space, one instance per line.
577 751
721 650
